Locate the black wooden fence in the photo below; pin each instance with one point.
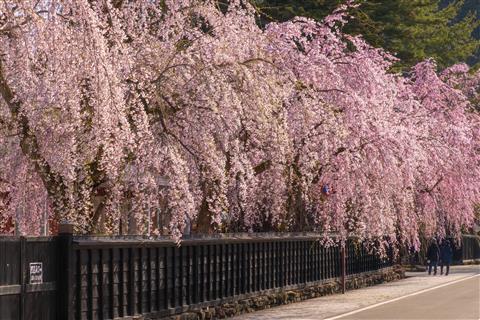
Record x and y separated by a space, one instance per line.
107 278
115 279
470 249
20 297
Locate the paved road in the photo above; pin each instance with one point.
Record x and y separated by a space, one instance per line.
463 296
457 301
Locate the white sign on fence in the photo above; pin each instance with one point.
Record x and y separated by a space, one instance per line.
36 272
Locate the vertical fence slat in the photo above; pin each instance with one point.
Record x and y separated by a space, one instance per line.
203 278
100 286
22 277
158 297
178 284
344 273
306 261
274 253
122 304
132 283
288 262
301 264
221 270
297 262
257 264
244 272
272 264
218 270
270 276
195 293
78 285
279 255
174 273
149 277
139 280
212 272
233 267
181 275
240 272
253 247
294 262
260 266
310 258
166 265
325 262
188 262
268 267
208 261
251 260
89 285
283 262
111 287
248 267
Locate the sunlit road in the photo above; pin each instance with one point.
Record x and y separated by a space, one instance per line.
457 301
419 296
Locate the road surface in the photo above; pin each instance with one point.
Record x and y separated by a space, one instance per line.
419 296
457 301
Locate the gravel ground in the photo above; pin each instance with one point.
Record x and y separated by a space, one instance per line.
329 306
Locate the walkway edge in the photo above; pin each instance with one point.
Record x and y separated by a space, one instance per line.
400 298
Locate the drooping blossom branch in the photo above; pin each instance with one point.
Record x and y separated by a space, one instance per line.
295 127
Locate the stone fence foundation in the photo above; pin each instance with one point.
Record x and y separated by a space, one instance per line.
283 296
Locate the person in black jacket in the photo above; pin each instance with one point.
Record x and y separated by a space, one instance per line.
433 254
446 253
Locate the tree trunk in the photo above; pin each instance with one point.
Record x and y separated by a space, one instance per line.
204 219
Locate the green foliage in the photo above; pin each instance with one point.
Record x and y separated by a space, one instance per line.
282 10
416 30
472 6
412 29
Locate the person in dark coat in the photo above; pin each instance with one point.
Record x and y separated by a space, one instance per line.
446 253
433 254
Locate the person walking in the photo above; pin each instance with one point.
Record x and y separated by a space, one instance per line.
433 254
446 253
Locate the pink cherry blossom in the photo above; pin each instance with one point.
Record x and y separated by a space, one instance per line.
102 102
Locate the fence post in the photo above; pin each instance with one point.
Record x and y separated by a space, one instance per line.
344 271
65 275
23 277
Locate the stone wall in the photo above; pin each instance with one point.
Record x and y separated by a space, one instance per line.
271 298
